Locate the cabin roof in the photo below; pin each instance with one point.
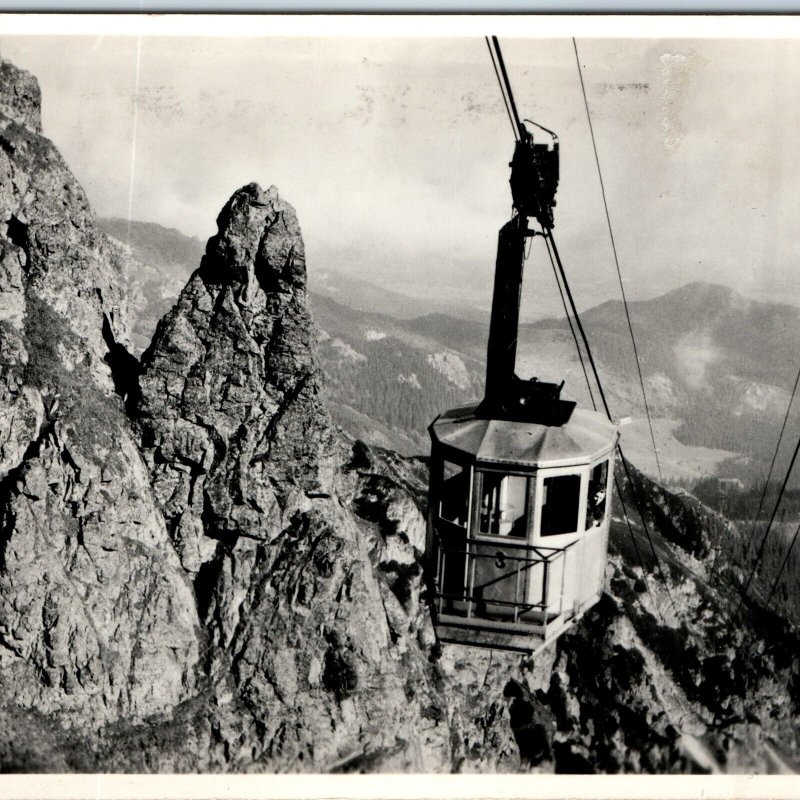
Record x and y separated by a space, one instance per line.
587 435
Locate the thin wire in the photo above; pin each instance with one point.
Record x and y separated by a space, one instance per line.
594 405
549 234
502 64
797 532
780 571
752 536
769 527
647 531
636 549
571 326
502 91
616 262
530 247
772 465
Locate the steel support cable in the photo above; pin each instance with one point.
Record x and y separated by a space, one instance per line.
502 91
549 236
783 565
769 528
636 547
616 262
502 64
647 531
772 465
780 571
752 536
594 405
569 322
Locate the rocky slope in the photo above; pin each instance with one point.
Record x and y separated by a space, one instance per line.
97 619
199 571
247 469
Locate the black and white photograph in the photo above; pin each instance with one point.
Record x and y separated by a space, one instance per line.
414 397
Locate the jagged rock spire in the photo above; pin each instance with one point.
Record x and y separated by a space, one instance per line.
253 482
230 413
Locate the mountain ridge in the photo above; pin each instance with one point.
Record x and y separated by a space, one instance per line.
692 375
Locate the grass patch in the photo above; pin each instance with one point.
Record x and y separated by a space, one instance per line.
58 365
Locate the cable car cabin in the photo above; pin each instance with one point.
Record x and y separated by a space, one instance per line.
518 524
519 497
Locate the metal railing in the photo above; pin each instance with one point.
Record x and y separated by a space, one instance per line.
498 582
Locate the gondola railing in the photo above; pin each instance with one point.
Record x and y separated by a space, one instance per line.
499 582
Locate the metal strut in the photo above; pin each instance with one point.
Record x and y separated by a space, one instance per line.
534 180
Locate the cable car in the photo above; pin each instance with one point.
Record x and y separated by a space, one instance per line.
520 483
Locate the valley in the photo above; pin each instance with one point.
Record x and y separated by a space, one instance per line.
718 367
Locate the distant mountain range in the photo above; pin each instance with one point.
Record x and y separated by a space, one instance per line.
720 364
718 368
158 263
363 295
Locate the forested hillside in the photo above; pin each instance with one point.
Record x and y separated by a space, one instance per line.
723 365
718 368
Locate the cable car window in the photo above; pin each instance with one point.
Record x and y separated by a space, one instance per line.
455 493
596 499
504 505
560 504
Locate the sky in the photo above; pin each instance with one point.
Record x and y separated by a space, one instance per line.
395 151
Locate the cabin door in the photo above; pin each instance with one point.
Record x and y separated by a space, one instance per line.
499 569
560 506
501 576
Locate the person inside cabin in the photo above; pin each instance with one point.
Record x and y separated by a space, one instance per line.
596 501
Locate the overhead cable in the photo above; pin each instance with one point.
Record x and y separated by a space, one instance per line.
502 90
594 405
549 235
616 262
569 322
769 527
772 465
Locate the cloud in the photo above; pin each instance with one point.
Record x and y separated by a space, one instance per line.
694 353
395 152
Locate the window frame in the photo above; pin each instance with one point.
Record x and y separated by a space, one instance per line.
498 469
442 523
466 467
608 459
560 539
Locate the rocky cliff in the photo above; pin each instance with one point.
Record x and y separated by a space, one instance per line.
252 481
97 618
199 571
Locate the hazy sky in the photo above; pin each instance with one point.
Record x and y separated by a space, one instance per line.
395 152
